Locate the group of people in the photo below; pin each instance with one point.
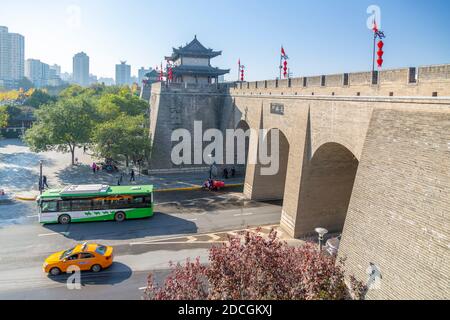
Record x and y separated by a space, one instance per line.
95 167
226 173
132 177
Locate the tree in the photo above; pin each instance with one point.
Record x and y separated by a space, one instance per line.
257 269
123 138
110 106
25 84
61 126
39 98
3 116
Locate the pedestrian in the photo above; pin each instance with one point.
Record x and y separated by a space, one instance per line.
132 177
94 167
76 161
225 173
84 149
233 172
118 182
44 182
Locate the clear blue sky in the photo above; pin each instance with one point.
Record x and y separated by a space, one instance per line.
320 37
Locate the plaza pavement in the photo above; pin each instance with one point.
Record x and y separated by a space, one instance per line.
19 175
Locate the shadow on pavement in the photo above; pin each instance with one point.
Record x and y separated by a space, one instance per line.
159 225
82 174
117 273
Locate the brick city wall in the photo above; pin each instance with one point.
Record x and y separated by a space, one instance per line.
398 218
423 81
395 135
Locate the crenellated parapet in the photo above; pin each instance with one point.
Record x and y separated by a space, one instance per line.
428 81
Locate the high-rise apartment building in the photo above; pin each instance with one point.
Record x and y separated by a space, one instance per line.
37 72
123 74
12 58
81 69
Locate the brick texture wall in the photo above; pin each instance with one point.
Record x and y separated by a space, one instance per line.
399 214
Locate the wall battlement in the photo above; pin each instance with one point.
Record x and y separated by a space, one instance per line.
164 87
428 81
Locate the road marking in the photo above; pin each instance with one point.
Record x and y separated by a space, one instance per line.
164 240
244 214
214 237
34 216
191 239
180 242
53 234
48 234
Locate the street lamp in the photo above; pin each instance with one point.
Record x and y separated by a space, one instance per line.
40 177
210 167
321 232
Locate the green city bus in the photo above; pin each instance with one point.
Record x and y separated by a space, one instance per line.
84 203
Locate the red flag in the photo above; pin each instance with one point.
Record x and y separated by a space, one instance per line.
375 27
283 53
239 62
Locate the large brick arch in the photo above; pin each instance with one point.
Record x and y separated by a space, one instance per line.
269 187
326 188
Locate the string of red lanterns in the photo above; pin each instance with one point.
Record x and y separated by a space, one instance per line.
378 34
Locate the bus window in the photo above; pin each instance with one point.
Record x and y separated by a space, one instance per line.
49 206
97 205
138 200
148 200
64 205
81 205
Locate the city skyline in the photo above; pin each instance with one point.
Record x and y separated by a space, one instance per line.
415 34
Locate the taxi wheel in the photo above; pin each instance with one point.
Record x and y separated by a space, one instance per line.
64 219
55 271
120 216
96 268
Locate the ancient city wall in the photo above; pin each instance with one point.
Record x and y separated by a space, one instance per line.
372 160
423 81
177 107
397 225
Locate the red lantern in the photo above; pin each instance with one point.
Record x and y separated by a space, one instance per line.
242 74
170 74
380 54
285 68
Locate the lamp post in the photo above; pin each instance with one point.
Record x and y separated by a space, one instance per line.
40 176
321 232
210 167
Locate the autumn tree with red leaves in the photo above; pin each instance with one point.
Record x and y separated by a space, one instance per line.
258 268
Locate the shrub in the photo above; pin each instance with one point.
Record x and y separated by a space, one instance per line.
256 268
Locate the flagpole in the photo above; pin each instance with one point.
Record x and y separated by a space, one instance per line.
281 61
374 49
239 71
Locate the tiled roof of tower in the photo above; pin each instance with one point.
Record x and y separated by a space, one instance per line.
199 70
195 49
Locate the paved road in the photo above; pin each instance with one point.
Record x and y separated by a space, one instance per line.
19 175
181 228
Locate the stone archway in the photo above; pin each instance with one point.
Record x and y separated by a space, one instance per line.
271 186
241 144
326 189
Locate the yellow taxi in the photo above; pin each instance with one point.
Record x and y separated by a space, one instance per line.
93 257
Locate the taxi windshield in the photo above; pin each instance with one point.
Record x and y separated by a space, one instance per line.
66 254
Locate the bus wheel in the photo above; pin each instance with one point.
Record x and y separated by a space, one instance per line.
64 219
120 216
